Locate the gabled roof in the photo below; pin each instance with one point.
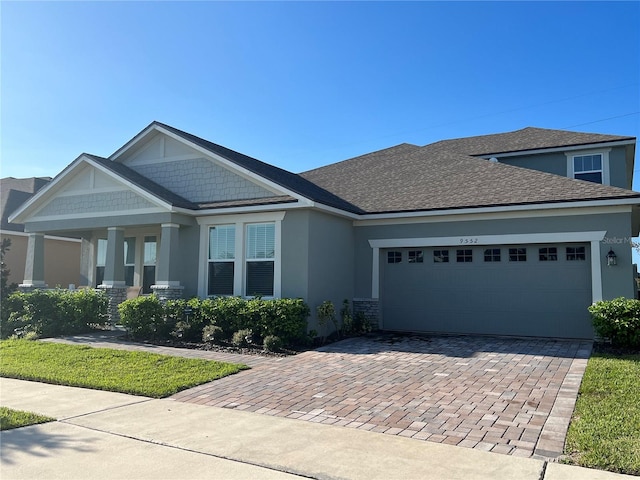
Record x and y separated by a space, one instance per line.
289 181
143 182
405 179
13 193
529 138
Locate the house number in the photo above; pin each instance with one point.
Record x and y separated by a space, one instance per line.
468 241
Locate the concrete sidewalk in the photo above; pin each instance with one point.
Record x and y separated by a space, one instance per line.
104 435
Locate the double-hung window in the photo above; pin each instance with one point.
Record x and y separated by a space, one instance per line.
588 167
222 254
149 263
129 260
240 255
260 259
101 260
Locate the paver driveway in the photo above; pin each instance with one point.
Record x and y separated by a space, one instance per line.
512 396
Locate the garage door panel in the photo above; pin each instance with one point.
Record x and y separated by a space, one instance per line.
532 297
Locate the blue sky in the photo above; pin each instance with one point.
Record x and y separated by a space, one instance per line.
303 84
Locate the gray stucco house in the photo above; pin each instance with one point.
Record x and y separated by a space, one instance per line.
508 234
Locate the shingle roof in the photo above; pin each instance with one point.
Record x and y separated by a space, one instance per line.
432 178
279 176
13 193
529 138
406 178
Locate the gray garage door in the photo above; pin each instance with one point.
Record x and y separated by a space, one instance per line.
529 290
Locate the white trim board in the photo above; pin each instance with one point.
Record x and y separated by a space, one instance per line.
594 237
5 233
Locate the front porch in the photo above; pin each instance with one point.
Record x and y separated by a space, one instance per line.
115 258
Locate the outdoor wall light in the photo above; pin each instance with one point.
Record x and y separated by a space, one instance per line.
612 259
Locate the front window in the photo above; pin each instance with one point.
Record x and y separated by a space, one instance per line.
101 260
222 254
149 260
129 260
260 257
588 167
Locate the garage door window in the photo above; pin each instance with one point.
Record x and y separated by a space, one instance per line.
548 254
464 256
394 257
416 256
517 254
441 256
576 253
492 255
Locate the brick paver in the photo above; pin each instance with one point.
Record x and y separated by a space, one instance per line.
511 396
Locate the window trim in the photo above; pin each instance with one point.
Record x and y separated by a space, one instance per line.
240 265
605 163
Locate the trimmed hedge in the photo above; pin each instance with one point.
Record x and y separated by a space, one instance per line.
618 320
49 313
190 320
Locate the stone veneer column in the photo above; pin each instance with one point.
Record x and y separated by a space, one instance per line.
167 286
370 308
34 265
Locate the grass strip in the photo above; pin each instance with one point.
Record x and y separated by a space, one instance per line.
605 428
10 418
136 373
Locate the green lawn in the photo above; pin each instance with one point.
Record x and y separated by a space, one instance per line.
137 373
605 429
10 418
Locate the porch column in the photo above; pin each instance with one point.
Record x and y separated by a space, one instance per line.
167 286
87 263
113 283
114 266
34 265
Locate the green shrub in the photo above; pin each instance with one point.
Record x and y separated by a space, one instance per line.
618 320
226 313
48 313
144 318
187 318
285 318
242 338
216 319
211 333
272 343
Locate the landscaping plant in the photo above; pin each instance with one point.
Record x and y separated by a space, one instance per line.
618 320
49 313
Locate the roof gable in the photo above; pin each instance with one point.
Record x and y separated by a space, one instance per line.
91 186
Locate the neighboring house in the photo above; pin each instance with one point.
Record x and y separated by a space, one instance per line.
452 237
62 253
